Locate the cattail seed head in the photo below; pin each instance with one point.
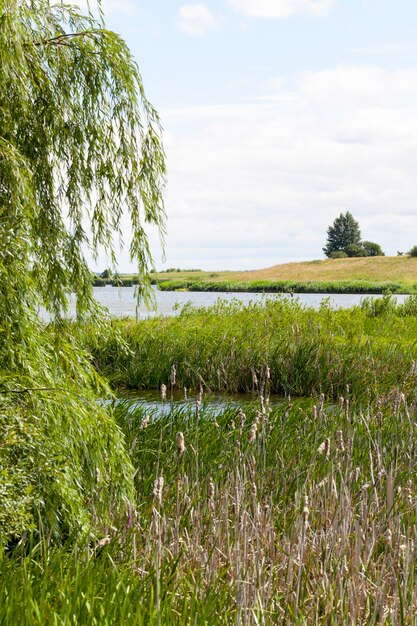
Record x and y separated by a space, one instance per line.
180 444
144 423
158 488
341 401
173 375
306 511
185 393
163 392
97 475
314 412
324 448
252 432
340 442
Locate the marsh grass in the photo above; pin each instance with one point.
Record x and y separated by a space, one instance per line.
370 348
302 512
288 286
276 528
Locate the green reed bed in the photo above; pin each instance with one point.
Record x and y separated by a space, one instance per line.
230 347
288 286
300 514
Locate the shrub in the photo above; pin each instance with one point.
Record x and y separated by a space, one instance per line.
338 254
354 250
371 248
413 251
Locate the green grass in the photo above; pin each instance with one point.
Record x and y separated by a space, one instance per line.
303 514
288 286
298 512
351 275
371 348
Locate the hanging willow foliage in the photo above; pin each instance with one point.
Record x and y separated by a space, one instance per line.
80 150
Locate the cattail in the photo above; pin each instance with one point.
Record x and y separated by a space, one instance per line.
324 448
314 412
267 373
252 431
173 375
158 487
254 378
97 475
180 444
341 402
340 442
254 490
163 392
185 394
242 417
144 423
306 511
388 538
321 403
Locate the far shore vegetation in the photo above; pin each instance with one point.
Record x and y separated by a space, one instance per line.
365 275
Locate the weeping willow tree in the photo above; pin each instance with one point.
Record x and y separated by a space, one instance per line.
80 151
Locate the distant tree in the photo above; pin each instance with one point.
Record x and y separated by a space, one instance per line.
413 251
372 249
343 232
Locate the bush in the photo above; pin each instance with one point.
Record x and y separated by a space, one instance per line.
413 251
371 248
354 249
338 254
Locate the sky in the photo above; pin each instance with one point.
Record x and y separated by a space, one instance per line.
278 115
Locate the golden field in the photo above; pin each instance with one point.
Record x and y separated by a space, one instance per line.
399 268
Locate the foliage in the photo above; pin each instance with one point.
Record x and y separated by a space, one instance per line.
413 251
308 510
354 250
372 249
79 142
370 348
343 232
286 286
337 254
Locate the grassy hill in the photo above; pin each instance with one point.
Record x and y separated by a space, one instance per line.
381 269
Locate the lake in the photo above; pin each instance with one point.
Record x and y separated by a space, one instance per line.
120 301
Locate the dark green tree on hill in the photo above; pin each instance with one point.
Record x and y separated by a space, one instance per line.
342 233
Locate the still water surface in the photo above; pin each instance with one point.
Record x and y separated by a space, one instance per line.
120 301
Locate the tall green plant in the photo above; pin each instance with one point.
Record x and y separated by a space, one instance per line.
80 145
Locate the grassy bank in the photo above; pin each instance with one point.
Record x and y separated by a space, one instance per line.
399 269
287 286
351 275
228 347
308 516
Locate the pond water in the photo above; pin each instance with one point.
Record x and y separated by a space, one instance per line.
150 400
120 301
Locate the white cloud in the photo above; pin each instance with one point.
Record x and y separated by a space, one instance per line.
282 8
346 86
196 19
258 184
